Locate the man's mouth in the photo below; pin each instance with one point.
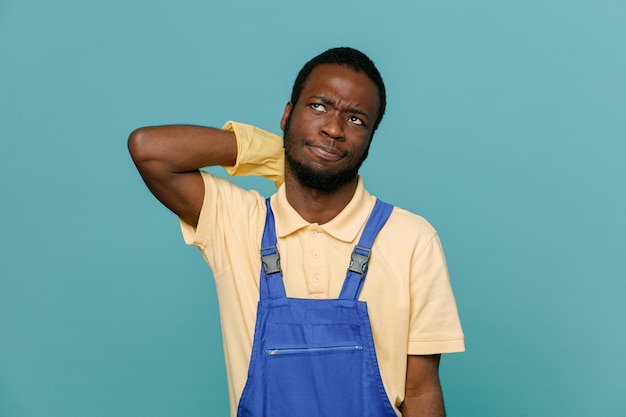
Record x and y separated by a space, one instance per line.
327 153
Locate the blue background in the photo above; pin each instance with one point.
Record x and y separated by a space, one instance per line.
505 128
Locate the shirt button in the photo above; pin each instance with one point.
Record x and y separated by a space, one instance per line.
316 254
314 233
316 278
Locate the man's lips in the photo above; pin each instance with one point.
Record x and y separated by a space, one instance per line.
325 152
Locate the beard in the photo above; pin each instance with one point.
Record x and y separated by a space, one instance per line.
325 182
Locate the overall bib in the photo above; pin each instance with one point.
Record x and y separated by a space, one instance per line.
314 358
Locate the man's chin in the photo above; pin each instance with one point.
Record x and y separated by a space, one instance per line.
320 180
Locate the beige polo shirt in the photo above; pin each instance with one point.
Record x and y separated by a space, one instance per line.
410 300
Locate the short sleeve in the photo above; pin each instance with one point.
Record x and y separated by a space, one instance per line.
259 153
231 217
434 324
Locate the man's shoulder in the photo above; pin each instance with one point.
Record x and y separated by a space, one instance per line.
410 224
224 193
406 235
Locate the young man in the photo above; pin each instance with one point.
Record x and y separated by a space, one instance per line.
321 212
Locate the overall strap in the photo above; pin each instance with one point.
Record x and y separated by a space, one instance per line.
360 256
271 275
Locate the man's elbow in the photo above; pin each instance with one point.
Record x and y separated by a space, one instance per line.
140 146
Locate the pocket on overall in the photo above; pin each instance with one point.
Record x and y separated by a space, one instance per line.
314 368
315 381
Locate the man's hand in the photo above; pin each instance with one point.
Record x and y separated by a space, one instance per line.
423 396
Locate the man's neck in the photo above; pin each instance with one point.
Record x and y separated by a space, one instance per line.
315 206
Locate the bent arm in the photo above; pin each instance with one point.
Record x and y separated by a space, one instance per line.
169 157
423 396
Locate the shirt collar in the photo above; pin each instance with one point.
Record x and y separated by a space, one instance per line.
345 226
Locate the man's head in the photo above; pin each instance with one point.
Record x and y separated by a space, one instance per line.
348 57
337 102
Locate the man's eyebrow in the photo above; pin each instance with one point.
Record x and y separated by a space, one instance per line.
359 112
326 100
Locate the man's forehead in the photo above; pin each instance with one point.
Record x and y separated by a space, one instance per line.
343 80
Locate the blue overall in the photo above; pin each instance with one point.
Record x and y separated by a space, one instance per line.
314 358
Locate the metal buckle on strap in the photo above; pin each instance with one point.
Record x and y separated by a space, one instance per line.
358 261
271 261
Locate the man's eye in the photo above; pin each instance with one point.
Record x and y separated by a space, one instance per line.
318 107
355 120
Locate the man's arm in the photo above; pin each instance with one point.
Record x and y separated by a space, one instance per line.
423 396
168 159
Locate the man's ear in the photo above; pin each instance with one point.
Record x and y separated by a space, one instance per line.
286 113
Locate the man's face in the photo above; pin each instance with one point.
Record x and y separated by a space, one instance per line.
328 131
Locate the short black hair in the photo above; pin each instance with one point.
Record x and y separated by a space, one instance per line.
348 57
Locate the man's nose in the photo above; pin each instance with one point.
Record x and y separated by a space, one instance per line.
333 126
